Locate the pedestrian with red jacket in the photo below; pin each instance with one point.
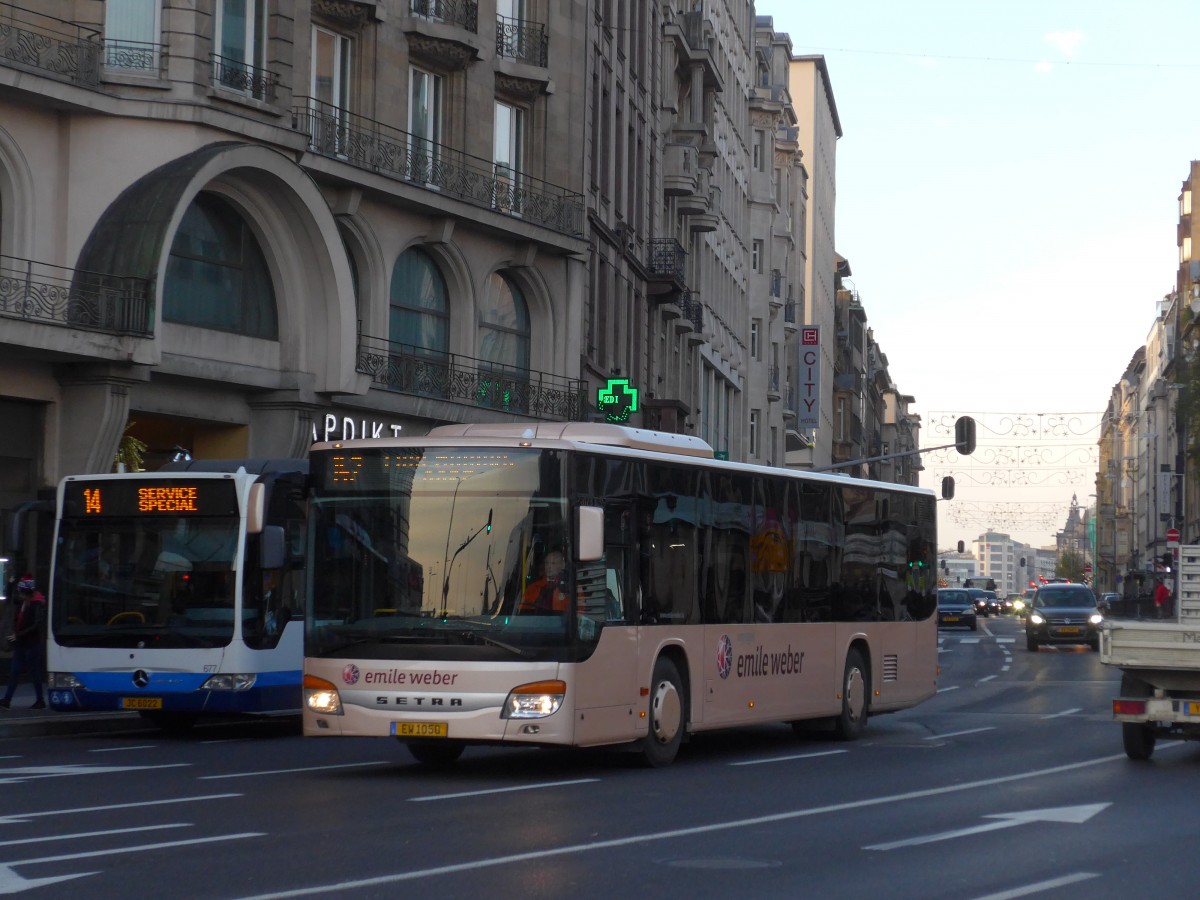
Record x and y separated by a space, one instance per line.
1162 599
28 642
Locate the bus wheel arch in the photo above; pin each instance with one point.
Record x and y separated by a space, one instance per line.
667 710
856 694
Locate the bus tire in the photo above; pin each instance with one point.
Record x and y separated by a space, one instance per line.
436 753
856 684
667 713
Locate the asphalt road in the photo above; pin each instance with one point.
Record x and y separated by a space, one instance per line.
1010 783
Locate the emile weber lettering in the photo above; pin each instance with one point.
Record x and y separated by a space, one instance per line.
760 664
425 679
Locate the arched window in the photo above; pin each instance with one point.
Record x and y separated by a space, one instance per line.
504 325
420 311
217 276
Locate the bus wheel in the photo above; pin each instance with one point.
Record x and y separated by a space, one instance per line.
170 723
853 719
667 715
440 753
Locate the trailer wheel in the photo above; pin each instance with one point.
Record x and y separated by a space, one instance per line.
1138 740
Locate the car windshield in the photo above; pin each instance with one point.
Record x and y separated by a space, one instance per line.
1064 598
953 598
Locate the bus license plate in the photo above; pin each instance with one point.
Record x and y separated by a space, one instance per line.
421 729
1193 708
141 703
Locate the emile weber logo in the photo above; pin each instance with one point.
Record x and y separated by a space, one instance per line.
351 676
758 663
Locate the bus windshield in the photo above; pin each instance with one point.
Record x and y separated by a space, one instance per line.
128 581
439 554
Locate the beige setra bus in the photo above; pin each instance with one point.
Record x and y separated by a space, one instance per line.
576 584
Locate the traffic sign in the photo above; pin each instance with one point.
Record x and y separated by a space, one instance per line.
1172 535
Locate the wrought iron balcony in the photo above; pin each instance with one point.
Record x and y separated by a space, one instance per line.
133 57
93 301
460 379
54 47
523 41
463 13
244 78
693 311
370 145
669 259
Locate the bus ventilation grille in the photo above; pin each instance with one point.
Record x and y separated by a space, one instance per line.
891 667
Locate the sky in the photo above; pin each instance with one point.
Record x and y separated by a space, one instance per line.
1007 196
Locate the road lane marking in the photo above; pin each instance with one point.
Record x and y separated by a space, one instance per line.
88 834
504 790
773 759
1041 886
935 737
33 773
953 687
15 818
121 749
1071 815
676 833
121 851
1065 712
379 762
985 678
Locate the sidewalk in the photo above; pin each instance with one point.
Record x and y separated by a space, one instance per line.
22 722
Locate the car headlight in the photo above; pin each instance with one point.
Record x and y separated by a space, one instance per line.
1035 619
1096 618
228 683
321 696
534 701
1018 605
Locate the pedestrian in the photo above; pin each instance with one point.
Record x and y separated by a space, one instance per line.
1162 599
28 642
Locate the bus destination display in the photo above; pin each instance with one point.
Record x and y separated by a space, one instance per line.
88 499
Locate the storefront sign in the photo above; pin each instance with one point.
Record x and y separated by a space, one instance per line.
343 428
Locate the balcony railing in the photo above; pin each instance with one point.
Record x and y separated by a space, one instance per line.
693 310
93 301
133 56
244 78
463 13
523 41
460 379
370 145
54 47
668 259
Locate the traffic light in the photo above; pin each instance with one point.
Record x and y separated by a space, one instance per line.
1022 562
961 546
948 487
964 435
1168 558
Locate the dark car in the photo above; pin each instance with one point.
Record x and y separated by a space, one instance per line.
1063 614
986 602
956 608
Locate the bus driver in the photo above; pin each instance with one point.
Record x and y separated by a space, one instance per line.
546 594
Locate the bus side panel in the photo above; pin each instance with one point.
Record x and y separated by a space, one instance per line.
774 673
903 667
606 688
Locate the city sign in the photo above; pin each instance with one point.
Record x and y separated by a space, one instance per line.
809 413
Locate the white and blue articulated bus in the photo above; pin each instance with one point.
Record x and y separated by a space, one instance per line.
180 593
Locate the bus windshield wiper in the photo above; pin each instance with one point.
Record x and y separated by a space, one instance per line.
522 652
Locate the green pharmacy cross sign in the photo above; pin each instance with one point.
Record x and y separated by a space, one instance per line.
617 400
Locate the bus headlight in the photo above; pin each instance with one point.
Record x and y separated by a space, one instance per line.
534 701
62 681
321 696
228 683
